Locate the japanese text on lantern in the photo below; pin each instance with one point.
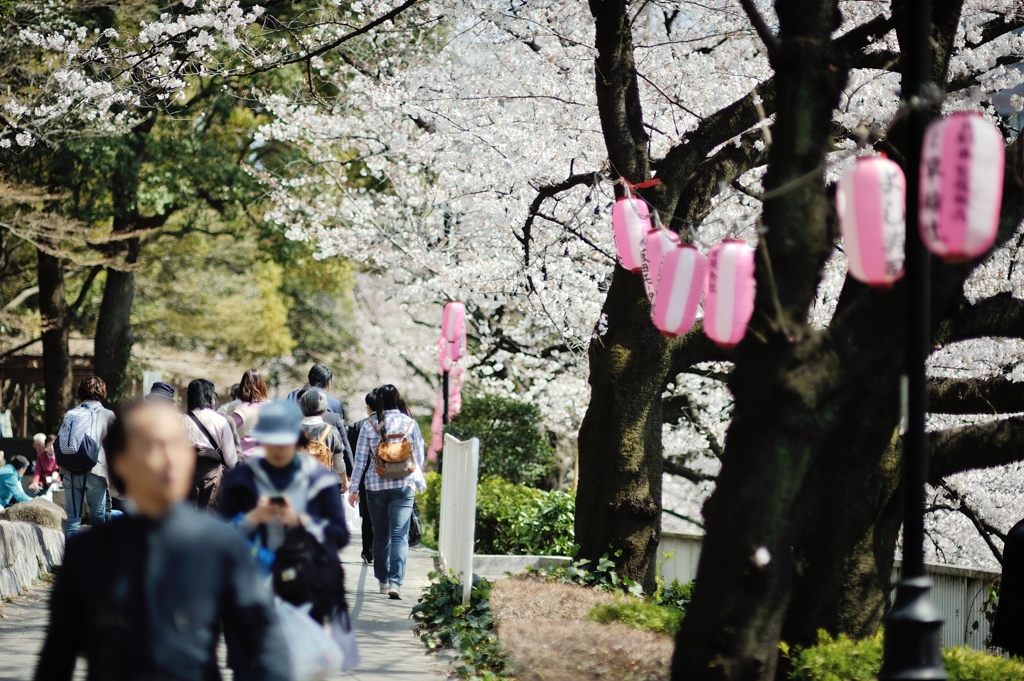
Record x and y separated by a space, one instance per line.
894 215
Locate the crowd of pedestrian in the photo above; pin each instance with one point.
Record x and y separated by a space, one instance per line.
219 520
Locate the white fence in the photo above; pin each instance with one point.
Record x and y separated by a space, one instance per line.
958 593
458 510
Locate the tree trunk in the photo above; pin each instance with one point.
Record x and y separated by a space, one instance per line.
850 519
618 501
790 389
114 337
53 308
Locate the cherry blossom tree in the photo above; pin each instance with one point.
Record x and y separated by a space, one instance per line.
498 170
472 150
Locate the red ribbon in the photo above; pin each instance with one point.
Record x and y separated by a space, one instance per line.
641 185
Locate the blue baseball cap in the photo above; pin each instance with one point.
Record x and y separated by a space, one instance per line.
280 423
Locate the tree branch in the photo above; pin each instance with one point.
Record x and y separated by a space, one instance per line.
982 446
617 91
327 47
16 348
679 163
770 40
676 465
693 348
86 285
985 529
1001 315
544 193
681 406
714 173
20 298
995 395
683 517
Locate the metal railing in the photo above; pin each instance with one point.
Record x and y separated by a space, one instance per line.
958 593
458 510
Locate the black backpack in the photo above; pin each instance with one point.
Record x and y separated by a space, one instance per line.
86 456
309 571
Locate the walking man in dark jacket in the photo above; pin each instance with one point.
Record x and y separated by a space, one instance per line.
144 597
364 510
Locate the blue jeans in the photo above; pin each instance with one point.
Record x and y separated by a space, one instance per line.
390 513
89 487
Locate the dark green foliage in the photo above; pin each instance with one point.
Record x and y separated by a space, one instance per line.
661 619
443 622
602 577
521 520
675 595
512 444
430 501
844 659
512 519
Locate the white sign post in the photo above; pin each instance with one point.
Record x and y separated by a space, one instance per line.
458 510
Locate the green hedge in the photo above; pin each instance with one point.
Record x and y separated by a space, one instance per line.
516 519
513 444
845 659
512 519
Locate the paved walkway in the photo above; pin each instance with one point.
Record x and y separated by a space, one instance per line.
387 647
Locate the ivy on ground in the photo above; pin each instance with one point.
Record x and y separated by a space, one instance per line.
443 622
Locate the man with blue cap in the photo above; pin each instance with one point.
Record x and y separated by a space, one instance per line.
283 490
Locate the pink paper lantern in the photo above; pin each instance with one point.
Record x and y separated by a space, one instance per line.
453 331
631 219
679 290
729 292
871 202
656 243
962 161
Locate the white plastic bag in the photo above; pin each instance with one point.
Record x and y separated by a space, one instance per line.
314 653
345 636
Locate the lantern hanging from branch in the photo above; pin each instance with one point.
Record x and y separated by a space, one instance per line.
871 203
453 331
631 220
679 290
656 244
729 292
962 160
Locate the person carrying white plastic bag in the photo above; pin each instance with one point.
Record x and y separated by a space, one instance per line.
288 506
345 636
314 653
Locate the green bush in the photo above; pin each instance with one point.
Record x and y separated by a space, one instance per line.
675 595
844 659
511 519
521 520
661 619
430 501
512 444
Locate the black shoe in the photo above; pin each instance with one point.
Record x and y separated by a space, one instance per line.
367 557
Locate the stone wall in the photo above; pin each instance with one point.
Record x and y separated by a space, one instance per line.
26 551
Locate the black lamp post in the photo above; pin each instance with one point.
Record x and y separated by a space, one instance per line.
912 643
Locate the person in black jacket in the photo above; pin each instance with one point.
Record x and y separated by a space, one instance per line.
1008 630
281 487
364 510
145 597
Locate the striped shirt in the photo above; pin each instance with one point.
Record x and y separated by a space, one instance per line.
396 422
